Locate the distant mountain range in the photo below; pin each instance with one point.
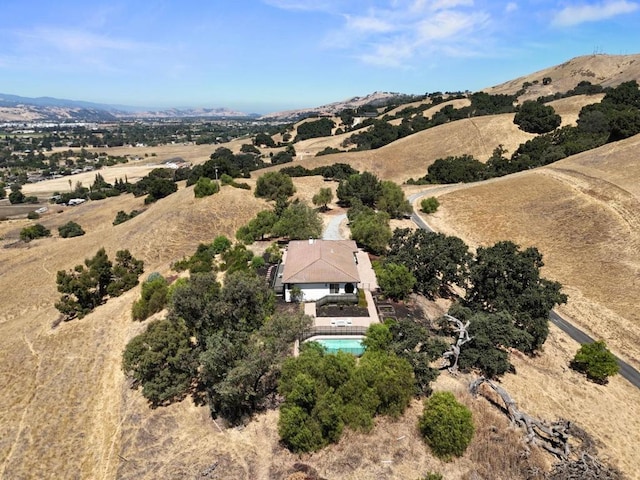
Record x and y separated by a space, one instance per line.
375 99
605 70
14 108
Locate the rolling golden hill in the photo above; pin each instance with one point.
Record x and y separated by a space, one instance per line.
67 410
605 70
583 214
411 156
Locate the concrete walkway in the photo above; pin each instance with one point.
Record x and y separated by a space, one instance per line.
368 280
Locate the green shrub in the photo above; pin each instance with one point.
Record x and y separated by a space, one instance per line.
362 299
429 205
432 476
123 216
275 254
33 215
161 360
153 298
220 244
257 262
324 393
535 117
34 231
396 280
70 229
378 337
205 187
596 361
298 431
274 185
446 425
179 283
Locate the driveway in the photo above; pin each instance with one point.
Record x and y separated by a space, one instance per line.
332 230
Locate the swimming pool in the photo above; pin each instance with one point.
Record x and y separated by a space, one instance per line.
352 345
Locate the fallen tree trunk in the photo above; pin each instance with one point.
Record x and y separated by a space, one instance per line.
555 438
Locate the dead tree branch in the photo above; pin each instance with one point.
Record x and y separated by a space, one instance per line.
553 437
454 350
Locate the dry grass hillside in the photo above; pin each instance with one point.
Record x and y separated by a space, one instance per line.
583 214
67 411
62 410
569 108
411 156
605 70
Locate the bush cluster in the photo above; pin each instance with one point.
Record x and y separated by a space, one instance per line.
34 231
429 205
123 216
86 286
70 229
205 187
152 299
446 425
596 362
324 393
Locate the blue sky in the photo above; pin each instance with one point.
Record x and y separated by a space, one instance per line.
267 55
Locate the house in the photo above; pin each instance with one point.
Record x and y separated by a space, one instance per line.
319 268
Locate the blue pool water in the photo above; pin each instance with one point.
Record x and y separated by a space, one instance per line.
349 345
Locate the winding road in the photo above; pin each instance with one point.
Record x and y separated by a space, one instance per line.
626 371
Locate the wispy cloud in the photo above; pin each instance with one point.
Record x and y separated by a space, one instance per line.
73 41
577 14
447 4
369 24
58 48
396 32
448 24
511 7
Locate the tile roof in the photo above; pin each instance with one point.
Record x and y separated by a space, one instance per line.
321 261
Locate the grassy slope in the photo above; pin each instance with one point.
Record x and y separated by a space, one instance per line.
583 214
606 70
66 407
62 396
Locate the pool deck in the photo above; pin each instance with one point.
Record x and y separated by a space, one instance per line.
310 309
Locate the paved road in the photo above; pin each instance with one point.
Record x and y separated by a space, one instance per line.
626 370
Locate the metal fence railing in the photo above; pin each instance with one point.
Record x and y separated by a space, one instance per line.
353 351
315 331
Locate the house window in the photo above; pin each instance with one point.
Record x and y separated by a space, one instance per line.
334 288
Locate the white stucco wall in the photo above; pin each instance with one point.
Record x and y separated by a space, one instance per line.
315 291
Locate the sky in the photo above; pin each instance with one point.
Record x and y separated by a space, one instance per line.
260 56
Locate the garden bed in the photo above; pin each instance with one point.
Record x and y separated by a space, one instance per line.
340 311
